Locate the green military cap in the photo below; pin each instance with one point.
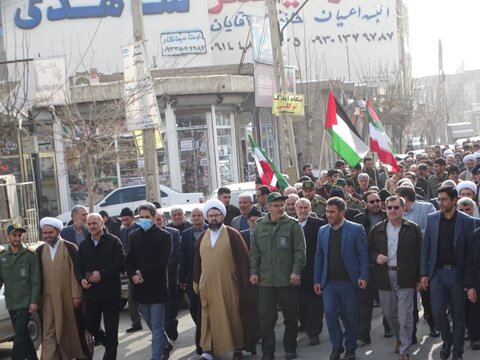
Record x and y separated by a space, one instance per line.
15 227
309 184
274 196
340 182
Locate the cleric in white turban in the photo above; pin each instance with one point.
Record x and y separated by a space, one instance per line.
56 223
467 188
214 204
468 157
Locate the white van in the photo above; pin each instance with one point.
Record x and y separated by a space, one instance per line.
133 196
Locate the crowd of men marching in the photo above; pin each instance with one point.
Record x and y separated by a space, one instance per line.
333 247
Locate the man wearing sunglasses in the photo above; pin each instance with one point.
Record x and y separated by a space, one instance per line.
372 215
417 212
394 249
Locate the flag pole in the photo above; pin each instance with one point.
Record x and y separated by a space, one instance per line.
375 169
322 150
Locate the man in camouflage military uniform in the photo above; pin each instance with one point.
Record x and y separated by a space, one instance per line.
352 202
318 202
20 273
277 257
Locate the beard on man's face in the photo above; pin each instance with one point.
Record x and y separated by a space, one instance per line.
214 224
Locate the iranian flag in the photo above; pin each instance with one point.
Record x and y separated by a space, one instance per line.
267 170
379 141
346 141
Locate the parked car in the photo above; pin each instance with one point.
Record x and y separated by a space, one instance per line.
236 189
6 329
133 196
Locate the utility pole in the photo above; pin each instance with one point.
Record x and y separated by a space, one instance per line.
442 106
149 144
286 140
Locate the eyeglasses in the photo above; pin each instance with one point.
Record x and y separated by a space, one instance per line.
376 201
394 207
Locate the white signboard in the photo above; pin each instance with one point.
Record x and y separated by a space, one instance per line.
183 43
327 39
141 108
50 85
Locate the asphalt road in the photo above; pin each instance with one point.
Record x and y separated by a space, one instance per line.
136 346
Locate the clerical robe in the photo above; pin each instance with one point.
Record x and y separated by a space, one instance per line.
229 302
61 338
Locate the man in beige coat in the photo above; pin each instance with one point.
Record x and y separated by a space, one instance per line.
61 295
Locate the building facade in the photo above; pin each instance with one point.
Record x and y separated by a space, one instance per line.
203 56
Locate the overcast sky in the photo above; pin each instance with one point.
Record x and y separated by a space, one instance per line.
456 23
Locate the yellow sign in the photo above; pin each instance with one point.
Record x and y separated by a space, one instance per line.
288 104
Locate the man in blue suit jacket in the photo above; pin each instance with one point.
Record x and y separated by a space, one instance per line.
443 265
341 267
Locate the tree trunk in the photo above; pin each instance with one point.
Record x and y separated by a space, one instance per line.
90 178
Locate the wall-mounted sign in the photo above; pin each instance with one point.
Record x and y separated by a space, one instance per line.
288 104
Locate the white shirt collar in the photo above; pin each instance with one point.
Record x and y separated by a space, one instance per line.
53 249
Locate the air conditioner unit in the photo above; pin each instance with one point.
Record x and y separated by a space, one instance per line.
80 80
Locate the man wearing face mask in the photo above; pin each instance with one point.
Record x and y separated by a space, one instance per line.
147 263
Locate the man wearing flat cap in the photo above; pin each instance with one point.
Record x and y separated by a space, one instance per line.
19 272
220 277
61 295
277 257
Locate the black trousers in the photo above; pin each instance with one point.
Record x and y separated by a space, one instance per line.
310 310
365 310
22 343
110 310
132 307
171 310
427 308
196 314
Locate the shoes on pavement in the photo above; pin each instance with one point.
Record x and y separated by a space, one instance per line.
350 355
268 357
434 332
475 344
362 341
403 357
237 355
414 339
301 327
134 327
397 347
314 340
169 347
388 333
335 355
445 351
457 356
290 355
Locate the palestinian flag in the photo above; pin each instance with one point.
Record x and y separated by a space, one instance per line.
379 141
267 170
346 141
